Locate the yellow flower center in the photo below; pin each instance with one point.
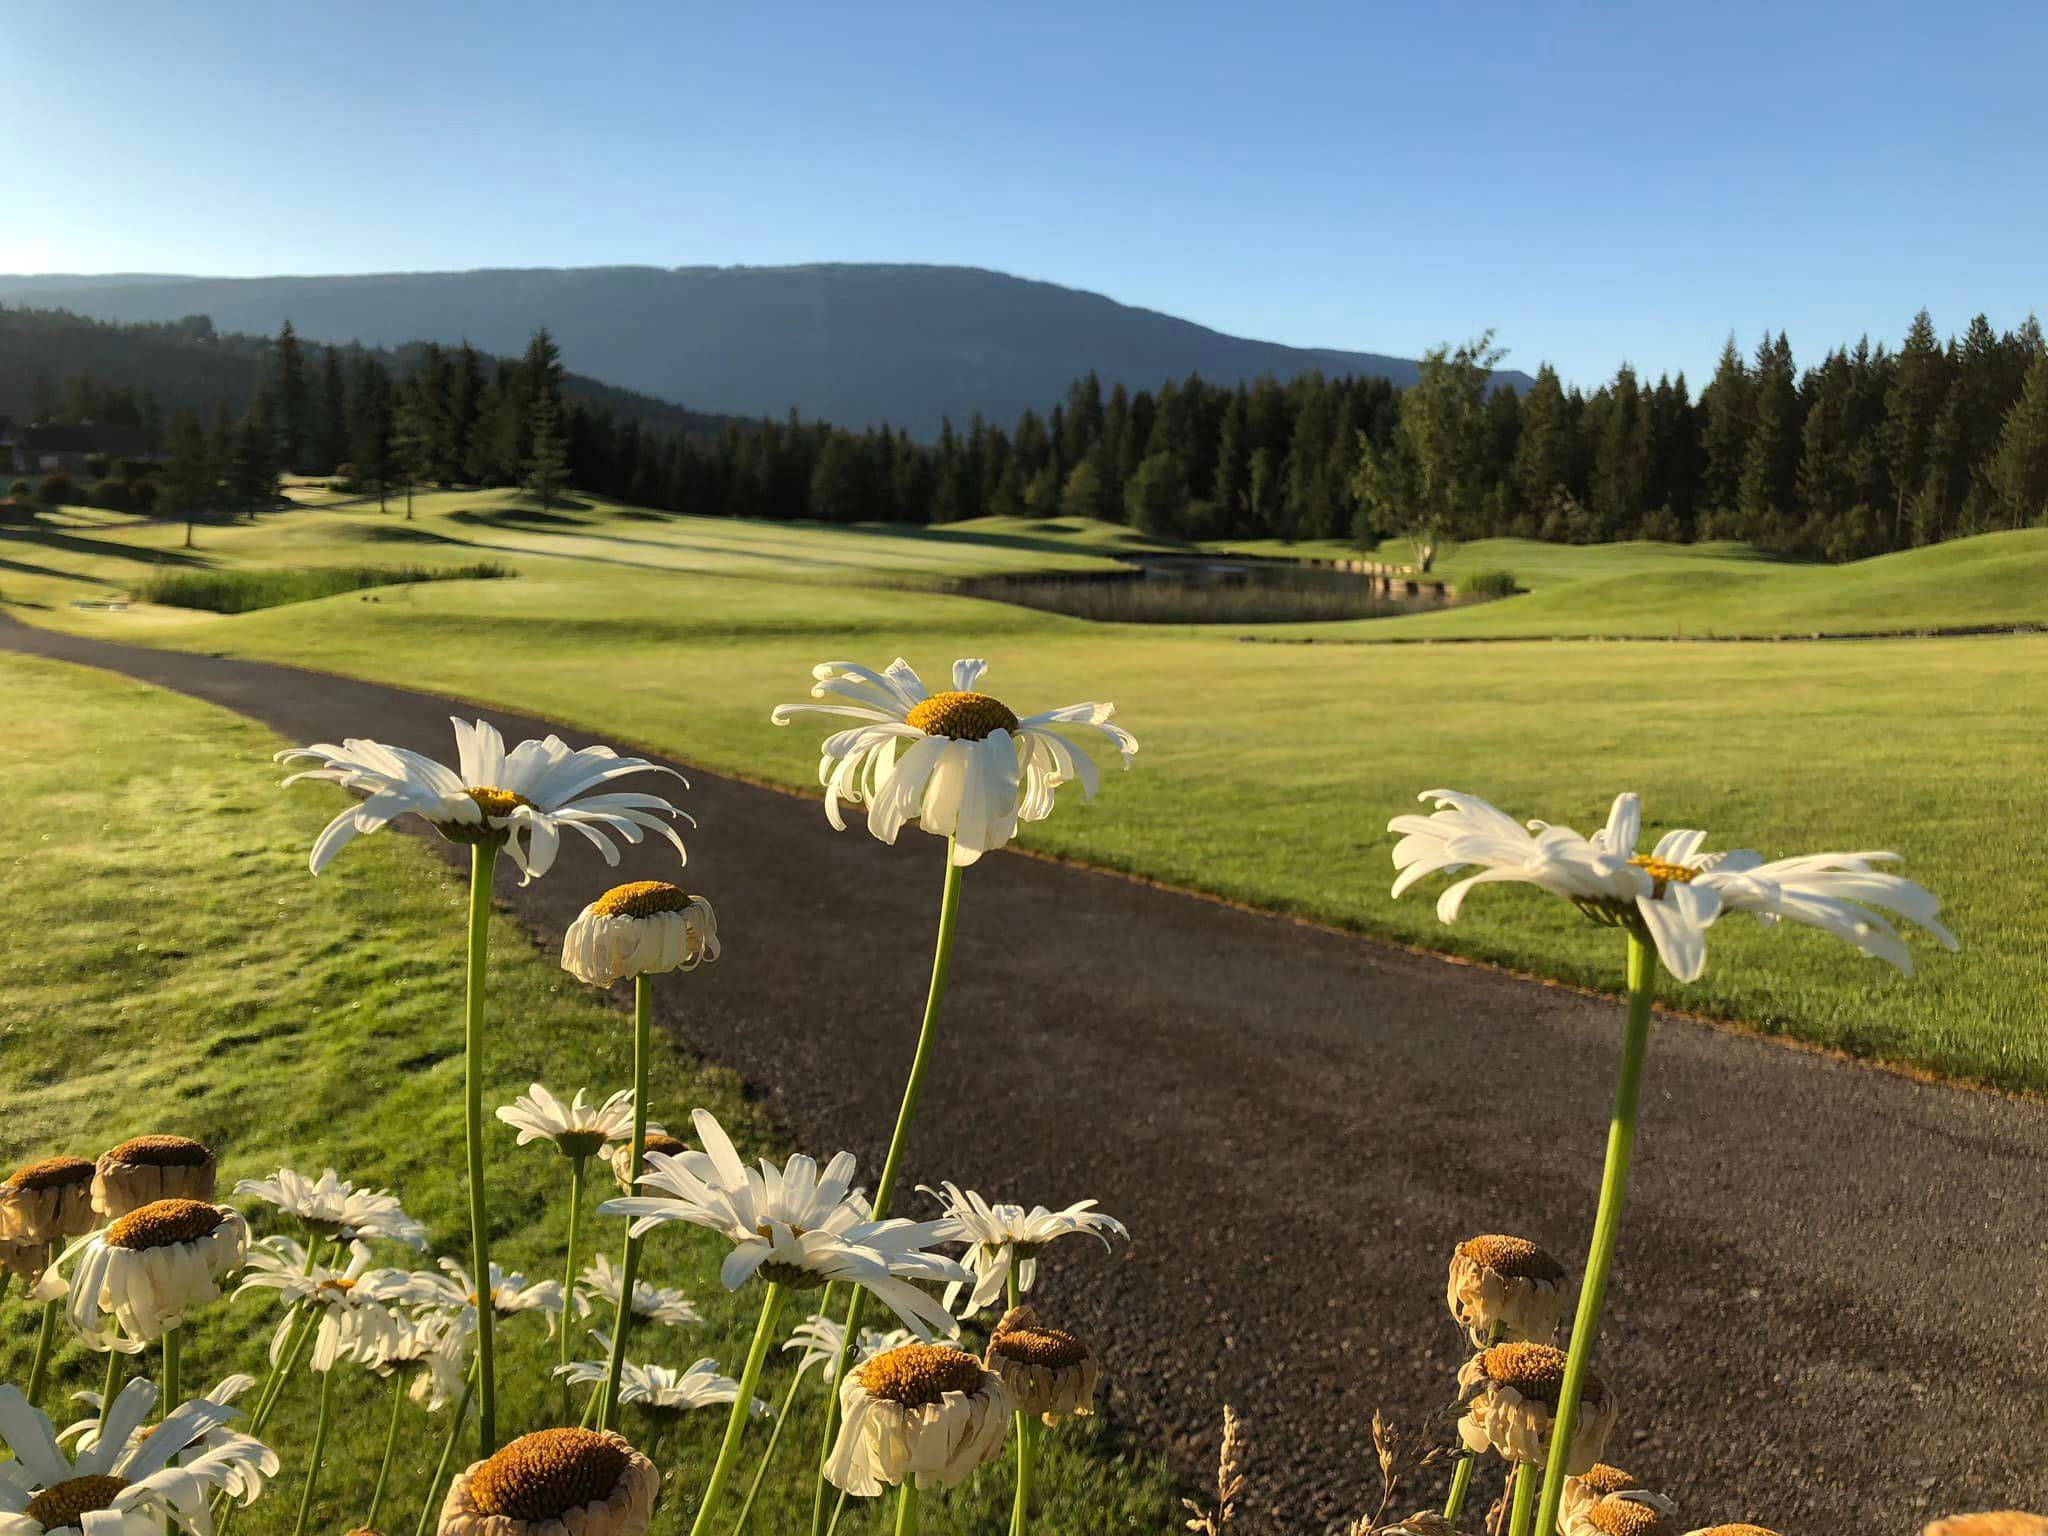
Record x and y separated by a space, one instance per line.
1536 1371
1736 1530
641 898
579 1143
962 716
74 1497
543 1476
1052 1348
497 802
920 1375
162 1223
1626 1517
1604 1479
161 1152
1516 1258
340 1283
1662 872
49 1173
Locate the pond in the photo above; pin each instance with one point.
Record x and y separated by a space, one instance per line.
1204 589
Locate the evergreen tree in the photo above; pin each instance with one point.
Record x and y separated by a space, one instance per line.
253 463
2018 471
1919 389
1542 467
189 481
1770 467
332 437
547 463
1729 406
295 422
372 423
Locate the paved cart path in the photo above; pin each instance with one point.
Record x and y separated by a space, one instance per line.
1827 1308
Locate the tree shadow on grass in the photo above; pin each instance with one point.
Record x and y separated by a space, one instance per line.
79 544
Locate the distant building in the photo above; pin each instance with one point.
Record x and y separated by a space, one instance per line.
50 447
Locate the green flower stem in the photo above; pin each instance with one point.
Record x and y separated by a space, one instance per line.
1621 1134
935 997
273 1377
781 1422
39 1372
838 1509
1028 1434
440 1477
173 1359
736 1424
328 1378
1013 1293
629 1265
113 1380
390 1445
1525 1489
906 1507
569 1266
482 866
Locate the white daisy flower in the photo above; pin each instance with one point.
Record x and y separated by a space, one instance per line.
440 1347
84 1434
657 1303
47 1200
659 1386
1674 893
816 1341
925 1411
129 1484
149 1269
357 1321
554 1481
792 1225
332 1207
520 799
996 1234
640 929
960 763
454 1293
577 1129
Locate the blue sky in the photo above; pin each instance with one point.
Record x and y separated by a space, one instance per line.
1597 182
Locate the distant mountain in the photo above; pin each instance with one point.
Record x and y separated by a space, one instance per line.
851 344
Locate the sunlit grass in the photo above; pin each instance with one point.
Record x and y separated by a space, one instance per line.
173 967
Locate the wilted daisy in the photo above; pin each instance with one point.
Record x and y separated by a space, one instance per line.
354 1303
1632 1512
150 1168
1674 892
657 1141
454 1293
1511 1393
126 1484
1049 1373
519 800
1581 1493
657 1303
47 1200
925 1411
1733 1530
795 1227
28 1260
579 1480
999 1235
331 1206
577 1128
149 1268
640 929
660 1386
1995 1522
961 764
1510 1285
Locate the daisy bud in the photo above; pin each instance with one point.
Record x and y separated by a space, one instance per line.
1507 1283
1511 1394
1048 1372
639 929
148 1169
578 1480
923 1410
657 1141
46 1200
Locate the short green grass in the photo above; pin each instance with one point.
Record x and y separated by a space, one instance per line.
1269 770
173 967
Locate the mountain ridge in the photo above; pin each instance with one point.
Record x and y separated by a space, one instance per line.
849 342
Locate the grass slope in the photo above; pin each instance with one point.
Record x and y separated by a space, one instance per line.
177 969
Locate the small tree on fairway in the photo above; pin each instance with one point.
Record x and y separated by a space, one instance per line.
1156 500
547 466
1429 481
189 480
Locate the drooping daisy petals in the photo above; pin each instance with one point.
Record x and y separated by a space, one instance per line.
1048 1372
149 1269
552 1481
1498 1281
924 1411
960 763
639 929
997 1234
1511 1393
577 1129
148 1168
48 1199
